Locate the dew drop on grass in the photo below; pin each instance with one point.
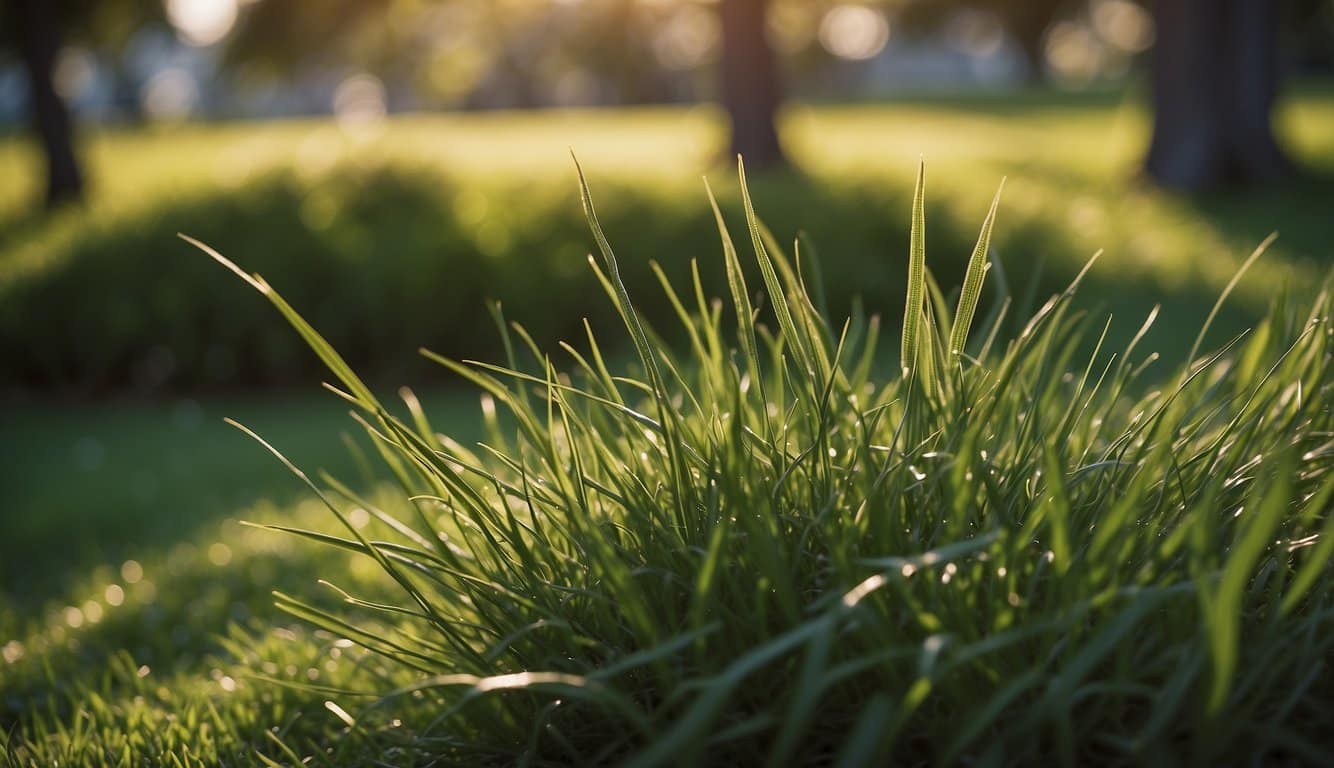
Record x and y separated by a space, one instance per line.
73 617
114 595
12 652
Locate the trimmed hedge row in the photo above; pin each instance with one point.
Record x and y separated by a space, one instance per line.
377 255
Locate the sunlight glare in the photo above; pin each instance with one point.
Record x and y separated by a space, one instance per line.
854 32
202 22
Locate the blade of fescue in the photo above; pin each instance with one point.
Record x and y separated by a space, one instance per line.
972 281
736 284
777 296
623 304
912 310
1263 512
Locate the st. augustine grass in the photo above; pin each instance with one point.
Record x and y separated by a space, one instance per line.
766 550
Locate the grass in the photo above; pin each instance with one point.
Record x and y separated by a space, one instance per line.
104 482
404 233
762 548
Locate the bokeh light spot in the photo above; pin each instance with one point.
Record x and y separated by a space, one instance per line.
131 571
202 22
219 554
854 32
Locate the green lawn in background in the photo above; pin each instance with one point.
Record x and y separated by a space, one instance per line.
104 482
1069 159
395 236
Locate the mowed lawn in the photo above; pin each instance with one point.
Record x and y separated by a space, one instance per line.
121 515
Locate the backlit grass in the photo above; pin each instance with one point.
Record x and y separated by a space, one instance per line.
767 549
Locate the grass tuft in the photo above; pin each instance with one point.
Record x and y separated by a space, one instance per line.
774 555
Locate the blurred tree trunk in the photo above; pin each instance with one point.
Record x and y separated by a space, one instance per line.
751 91
1215 80
39 44
1028 21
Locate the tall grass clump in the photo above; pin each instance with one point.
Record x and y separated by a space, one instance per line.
762 550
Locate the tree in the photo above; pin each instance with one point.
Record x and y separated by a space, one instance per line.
1215 80
1028 22
751 89
36 30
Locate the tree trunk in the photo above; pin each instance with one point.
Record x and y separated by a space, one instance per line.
1028 22
751 91
39 43
1215 79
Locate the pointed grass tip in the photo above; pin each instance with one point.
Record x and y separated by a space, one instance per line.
254 280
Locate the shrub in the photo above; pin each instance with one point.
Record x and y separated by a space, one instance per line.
374 254
757 550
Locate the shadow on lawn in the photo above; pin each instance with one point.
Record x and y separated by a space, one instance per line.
1300 210
88 486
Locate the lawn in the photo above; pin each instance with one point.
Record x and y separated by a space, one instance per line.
132 594
416 225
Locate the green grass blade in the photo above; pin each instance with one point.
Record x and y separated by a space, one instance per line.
912 310
973 279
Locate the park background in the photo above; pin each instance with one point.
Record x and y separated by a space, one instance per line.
394 165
